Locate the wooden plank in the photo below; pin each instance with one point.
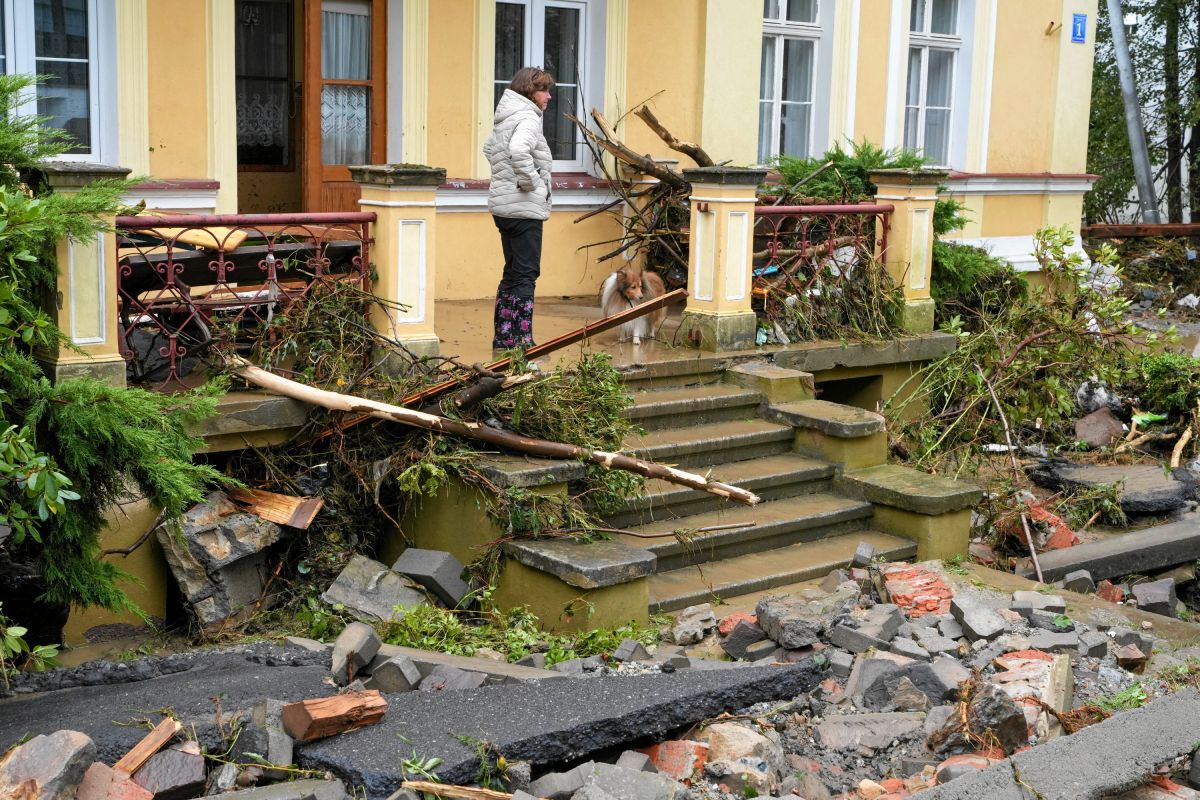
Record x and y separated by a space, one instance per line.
457 792
1138 231
150 744
327 716
282 509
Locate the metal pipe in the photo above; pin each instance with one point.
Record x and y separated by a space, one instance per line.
1147 200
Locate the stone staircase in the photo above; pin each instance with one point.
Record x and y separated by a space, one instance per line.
803 528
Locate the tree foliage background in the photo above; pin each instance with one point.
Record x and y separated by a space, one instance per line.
1164 51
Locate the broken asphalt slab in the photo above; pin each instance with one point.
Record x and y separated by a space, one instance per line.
1142 551
111 712
1099 761
543 722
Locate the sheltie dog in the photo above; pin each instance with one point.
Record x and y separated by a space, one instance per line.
628 287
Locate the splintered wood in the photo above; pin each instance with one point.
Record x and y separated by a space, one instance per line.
150 744
282 509
328 716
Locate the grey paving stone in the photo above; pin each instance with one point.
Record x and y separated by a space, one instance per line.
436 570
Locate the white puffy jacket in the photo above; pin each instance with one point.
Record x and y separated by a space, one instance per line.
520 159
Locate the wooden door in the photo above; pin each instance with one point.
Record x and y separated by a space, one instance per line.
345 100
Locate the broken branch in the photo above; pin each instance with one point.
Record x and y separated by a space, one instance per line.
689 149
483 433
1177 452
459 792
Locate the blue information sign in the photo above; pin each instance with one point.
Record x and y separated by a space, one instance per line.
1079 28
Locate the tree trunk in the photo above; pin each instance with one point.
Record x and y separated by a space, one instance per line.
1174 111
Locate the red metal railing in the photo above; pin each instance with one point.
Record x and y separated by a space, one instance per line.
806 245
186 283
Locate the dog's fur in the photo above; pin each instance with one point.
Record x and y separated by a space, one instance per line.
628 287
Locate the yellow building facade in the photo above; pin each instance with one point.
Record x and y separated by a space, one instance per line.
249 106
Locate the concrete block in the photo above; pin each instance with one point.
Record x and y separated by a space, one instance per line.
268 716
55 762
856 640
632 759
1049 642
743 635
534 660
864 554
950 628
832 419
777 384
910 489
1093 644
759 651
354 648
693 624
907 647
371 591
560 785
632 784
1039 601
840 662
1157 597
876 731
978 622
436 570
934 644
1079 581
630 650
176 773
834 580
443 678
394 674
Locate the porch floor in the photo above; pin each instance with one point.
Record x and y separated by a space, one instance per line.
465 328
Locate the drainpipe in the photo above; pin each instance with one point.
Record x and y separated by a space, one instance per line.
1133 116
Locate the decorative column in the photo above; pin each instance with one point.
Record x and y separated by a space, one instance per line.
403 199
718 314
85 305
909 254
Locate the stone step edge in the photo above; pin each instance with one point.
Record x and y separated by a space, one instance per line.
908 489
735 398
678 494
832 419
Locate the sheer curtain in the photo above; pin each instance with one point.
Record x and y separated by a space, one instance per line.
263 86
345 56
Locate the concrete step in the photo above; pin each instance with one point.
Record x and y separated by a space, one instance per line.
771 478
713 443
657 409
678 368
755 572
777 524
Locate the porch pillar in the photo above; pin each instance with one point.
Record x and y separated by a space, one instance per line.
85 303
718 314
402 198
909 253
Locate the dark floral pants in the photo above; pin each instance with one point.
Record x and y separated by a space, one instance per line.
513 322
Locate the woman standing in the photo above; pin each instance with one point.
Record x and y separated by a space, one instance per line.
519 200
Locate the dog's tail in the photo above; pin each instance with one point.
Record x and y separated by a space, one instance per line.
609 295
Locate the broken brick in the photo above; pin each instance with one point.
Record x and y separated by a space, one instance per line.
678 759
1110 592
917 590
728 623
102 782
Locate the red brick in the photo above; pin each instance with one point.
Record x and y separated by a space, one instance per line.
981 553
730 622
102 782
892 784
678 759
1110 592
918 591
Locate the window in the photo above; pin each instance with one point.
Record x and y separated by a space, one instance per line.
346 78
263 56
59 39
932 60
549 34
787 120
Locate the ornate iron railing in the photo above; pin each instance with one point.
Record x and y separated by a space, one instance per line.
186 283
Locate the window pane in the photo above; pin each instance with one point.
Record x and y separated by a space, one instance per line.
944 16
562 44
767 71
937 135
794 128
802 11
916 16
61 29
560 132
345 124
766 123
912 128
346 42
63 97
798 69
771 9
913 94
510 41
263 86
941 77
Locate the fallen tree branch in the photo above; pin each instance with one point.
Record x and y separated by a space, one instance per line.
689 149
489 386
125 551
610 144
1143 439
483 433
1177 452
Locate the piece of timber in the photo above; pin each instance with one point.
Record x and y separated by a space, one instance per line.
150 744
327 716
282 509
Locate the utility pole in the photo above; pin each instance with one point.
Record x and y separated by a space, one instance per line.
1133 116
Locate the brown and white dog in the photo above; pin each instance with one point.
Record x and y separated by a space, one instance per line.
628 287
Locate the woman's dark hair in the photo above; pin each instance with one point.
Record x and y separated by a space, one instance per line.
531 79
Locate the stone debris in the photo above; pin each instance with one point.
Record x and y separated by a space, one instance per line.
693 624
1157 597
443 678
218 555
353 650
371 591
1079 581
397 674
176 773
436 570
630 650
48 767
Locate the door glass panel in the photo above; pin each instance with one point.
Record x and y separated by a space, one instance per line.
510 44
61 54
802 10
562 48
345 122
263 55
345 56
943 17
938 84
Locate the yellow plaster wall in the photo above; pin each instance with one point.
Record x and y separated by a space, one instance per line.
871 98
729 86
666 63
1073 92
1012 215
178 110
470 261
450 101
1022 87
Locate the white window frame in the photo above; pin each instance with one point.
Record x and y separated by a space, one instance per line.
818 32
925 41
19 42
535 55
